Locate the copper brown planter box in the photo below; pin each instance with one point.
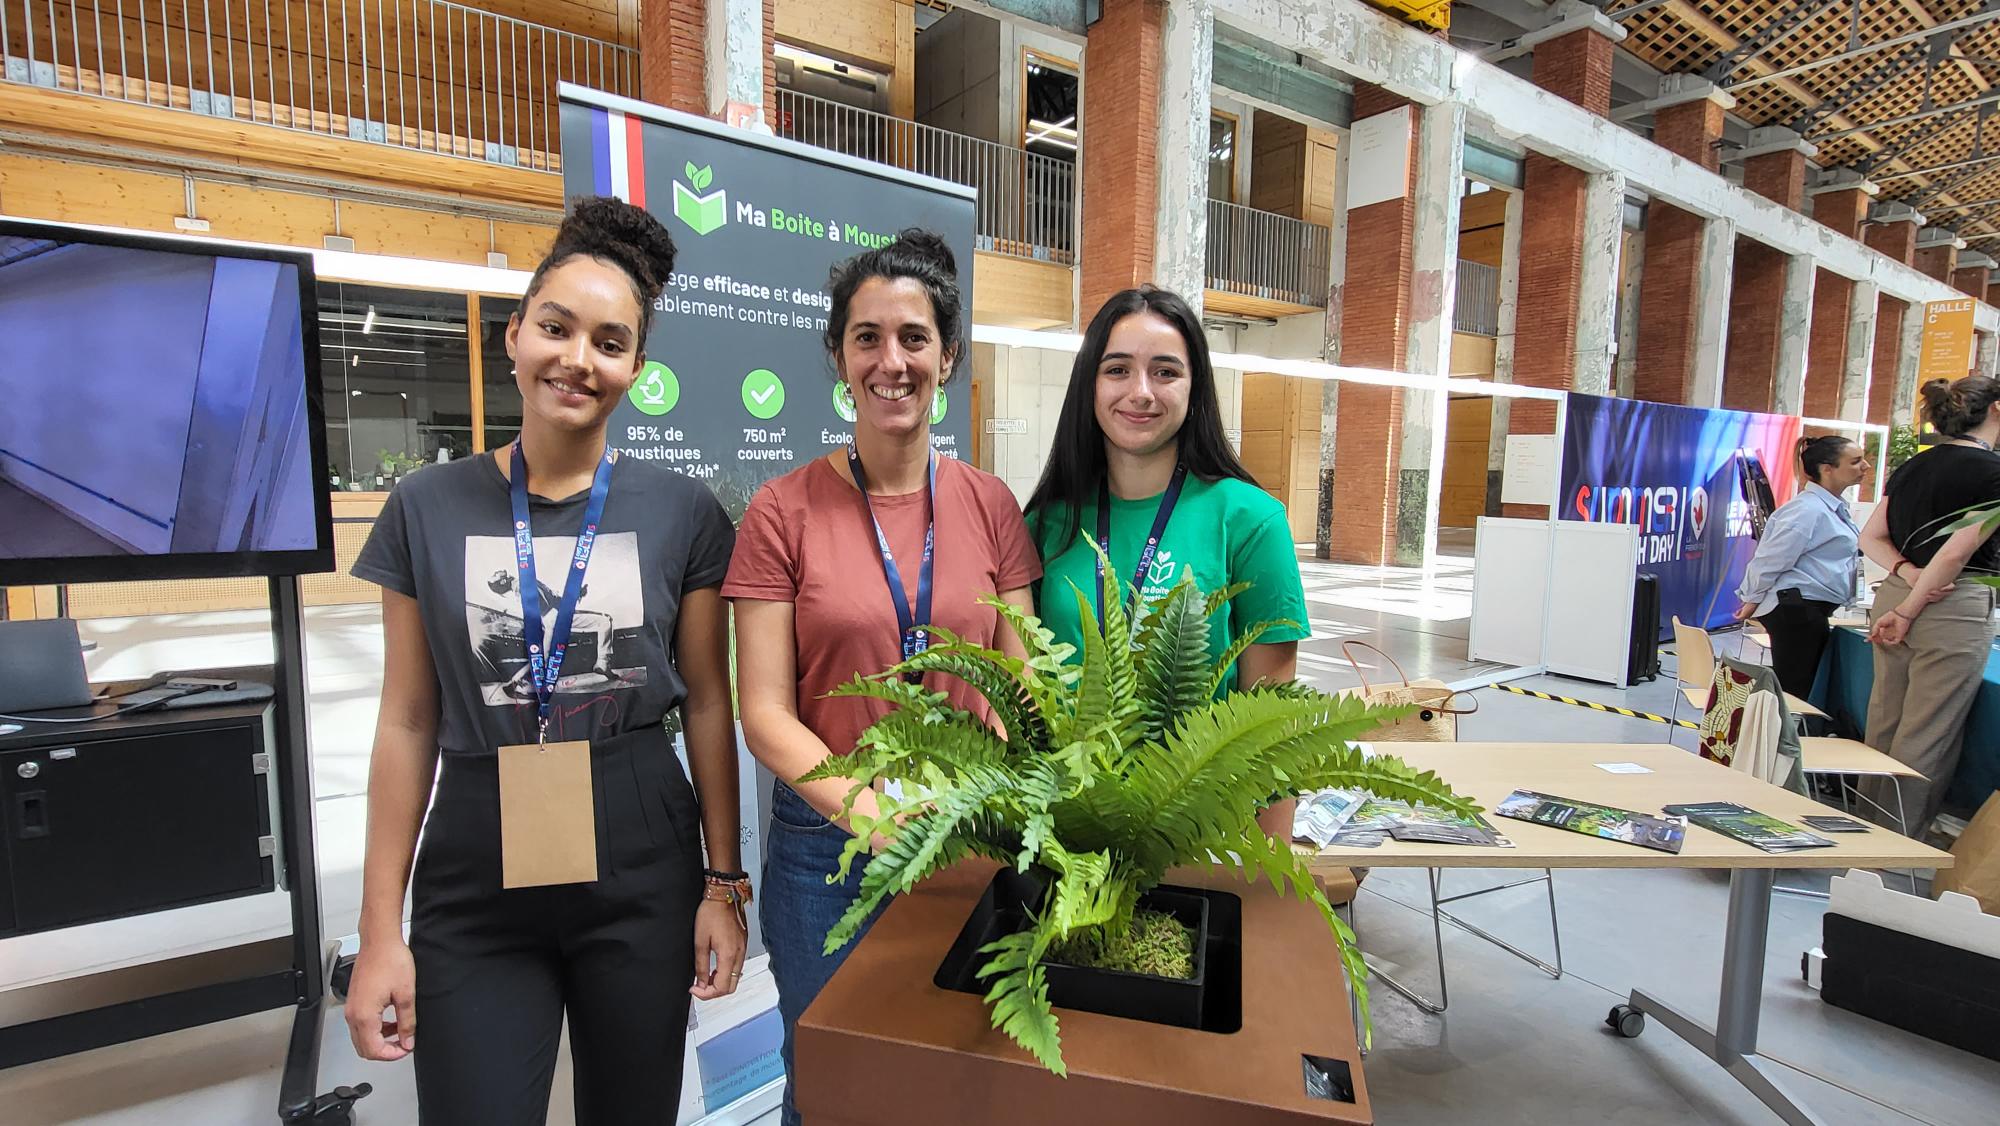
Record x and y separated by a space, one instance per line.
884 1044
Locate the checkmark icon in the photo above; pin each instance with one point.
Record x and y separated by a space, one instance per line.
763 393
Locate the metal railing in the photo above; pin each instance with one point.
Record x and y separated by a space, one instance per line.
1262 254
1027 201
1478 306
421 74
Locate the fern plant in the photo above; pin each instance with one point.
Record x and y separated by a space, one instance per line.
1110 771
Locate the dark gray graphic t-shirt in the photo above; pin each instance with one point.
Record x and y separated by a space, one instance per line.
445 538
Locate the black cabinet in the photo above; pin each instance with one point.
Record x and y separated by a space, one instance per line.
135 814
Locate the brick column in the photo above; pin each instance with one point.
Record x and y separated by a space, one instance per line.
1892 230
1758 308
1375 317
1119 168
1974 272
703 56
673 66
1576 65
1683 259
1937 255
1842 206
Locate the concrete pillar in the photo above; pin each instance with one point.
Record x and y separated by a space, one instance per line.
1685 281
1840 204
1597 291
1985 357
1181 212
1329 395
1433 298
1859 356
1625 370
1794 331
1709 349
1903 402
1503 346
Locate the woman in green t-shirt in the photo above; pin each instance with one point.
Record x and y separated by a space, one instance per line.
1141 459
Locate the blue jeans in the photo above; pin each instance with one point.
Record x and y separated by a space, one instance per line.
797 907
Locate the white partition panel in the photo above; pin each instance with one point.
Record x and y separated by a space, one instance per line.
1591 578
1510 583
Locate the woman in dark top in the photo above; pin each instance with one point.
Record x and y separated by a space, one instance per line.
544 608
1932 633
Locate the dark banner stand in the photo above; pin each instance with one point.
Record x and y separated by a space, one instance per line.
302 986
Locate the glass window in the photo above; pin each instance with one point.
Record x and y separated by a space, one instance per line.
1051 101
398 371
1222 157
503 398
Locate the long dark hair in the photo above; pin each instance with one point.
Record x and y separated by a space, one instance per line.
1076 458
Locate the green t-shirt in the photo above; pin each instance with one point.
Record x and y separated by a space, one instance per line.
1228 531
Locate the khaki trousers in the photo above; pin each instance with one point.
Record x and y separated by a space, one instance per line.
1923 691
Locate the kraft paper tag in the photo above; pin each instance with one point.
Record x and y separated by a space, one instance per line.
548 818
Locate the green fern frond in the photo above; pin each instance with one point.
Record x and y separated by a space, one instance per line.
1045 654
1105 696
1089 893
1218 599
891 690
1226 664
995 676
919 846
903 745
1259 853
1020 996
1174 667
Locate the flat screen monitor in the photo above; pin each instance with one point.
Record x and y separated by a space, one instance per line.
160 410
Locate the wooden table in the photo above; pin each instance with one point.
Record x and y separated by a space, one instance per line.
883 1045
1488 772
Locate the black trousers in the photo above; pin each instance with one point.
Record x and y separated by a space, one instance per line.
498 969
1799 632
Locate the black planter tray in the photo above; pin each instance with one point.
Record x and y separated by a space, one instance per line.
1211 1000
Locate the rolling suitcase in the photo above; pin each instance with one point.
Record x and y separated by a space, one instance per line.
1643 663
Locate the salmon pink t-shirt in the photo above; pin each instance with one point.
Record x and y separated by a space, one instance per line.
806 539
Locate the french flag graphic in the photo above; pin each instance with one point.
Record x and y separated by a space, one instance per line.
618 156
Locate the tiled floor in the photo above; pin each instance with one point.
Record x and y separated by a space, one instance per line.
1515 1047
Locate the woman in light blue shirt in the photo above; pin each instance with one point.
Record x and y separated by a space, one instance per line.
1804 567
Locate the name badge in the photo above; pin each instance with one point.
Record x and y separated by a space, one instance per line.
548 816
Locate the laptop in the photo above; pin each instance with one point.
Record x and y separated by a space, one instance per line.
41 667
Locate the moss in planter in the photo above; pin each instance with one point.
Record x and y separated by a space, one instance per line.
1158 944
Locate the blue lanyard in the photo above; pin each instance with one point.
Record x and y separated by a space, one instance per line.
1166 511
912 625
545 669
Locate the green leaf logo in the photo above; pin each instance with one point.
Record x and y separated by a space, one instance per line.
688 171
701 177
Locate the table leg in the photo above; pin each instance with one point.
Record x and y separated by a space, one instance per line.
1733 1043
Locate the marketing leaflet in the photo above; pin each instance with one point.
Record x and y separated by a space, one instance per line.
1749 826
1378 819
1664 834
1320 816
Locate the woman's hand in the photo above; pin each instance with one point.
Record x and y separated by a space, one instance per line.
384 974
719 945
1890 629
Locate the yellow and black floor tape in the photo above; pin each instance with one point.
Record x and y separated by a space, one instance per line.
1597 707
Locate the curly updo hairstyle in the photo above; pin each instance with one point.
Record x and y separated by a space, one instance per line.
1956 408
617 234
917 254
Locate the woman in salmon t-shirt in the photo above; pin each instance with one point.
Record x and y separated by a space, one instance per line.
818 601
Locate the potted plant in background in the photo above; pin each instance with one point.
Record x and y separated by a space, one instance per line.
1110 771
